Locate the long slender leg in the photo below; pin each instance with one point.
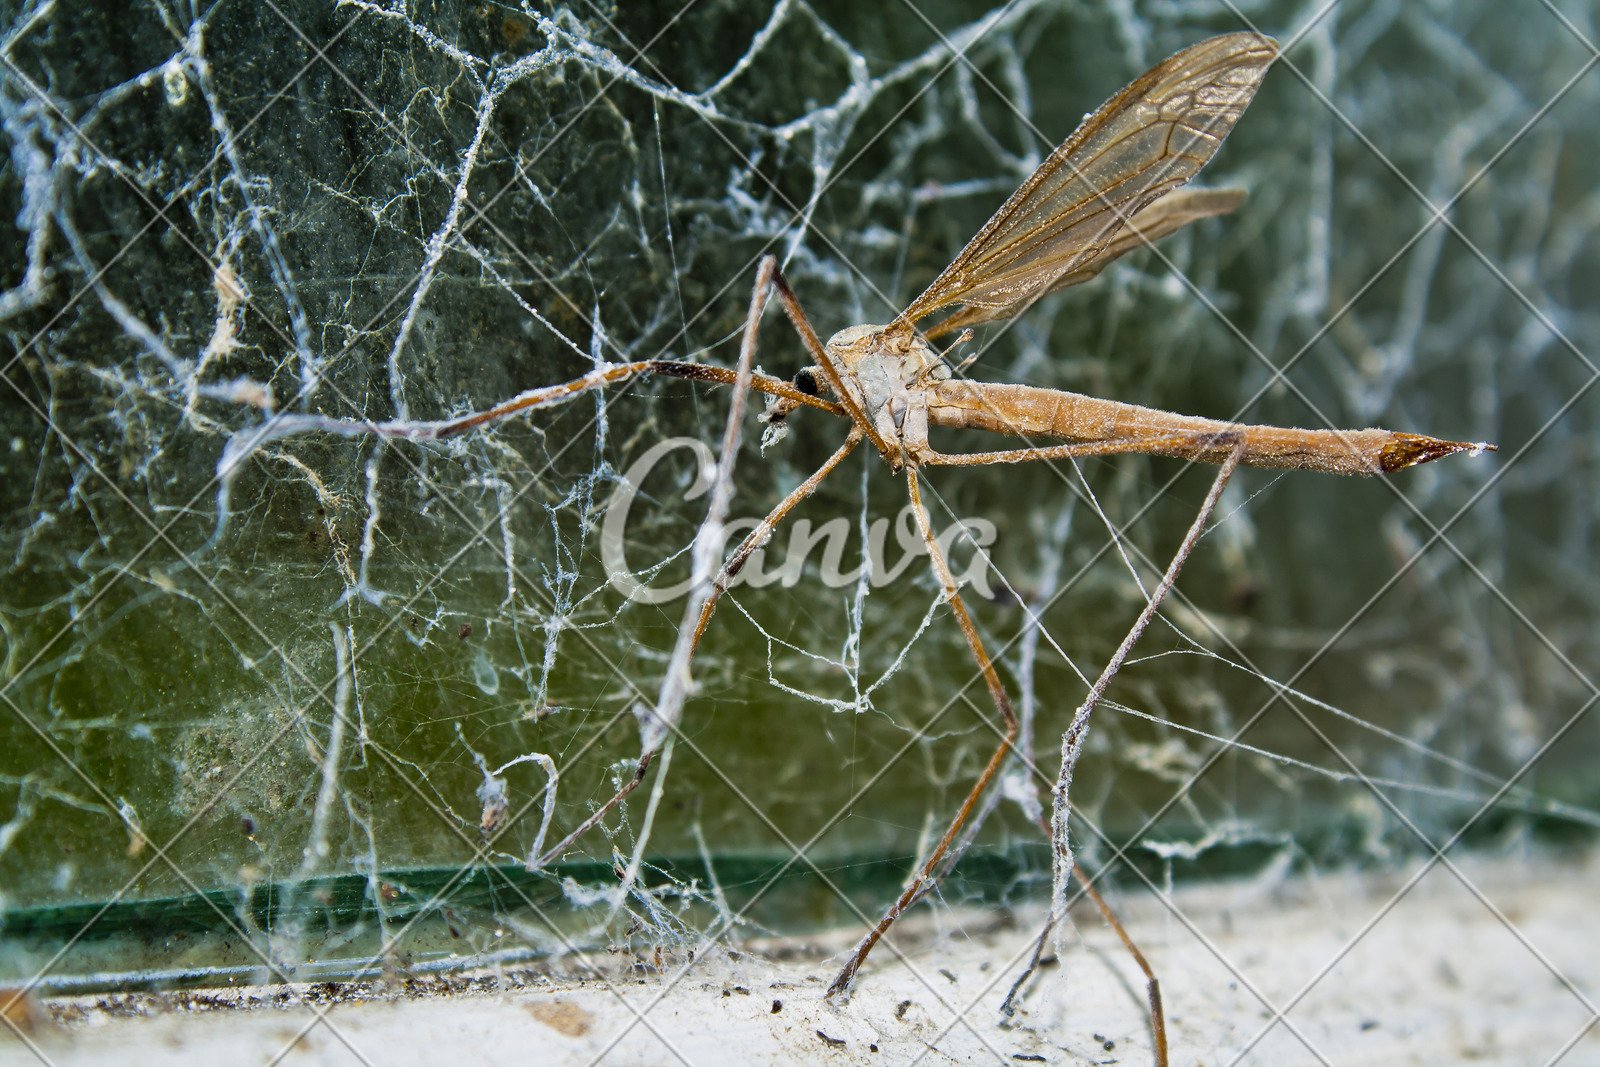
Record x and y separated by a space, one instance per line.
759 536
761 383
659 724
615 372
1118 446
745 377
1158 1019
735 562
1002 702
991 678
1008 1006
289 424
675 686
1152 985
1072 747
766 276
819 353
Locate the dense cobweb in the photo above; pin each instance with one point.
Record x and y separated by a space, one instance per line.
347 685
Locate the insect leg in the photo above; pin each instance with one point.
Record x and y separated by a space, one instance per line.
1002 702
760 535
1158 1020
290 424
1072 747
703 598
1078 449
1152 985
735 561
819 353
246 442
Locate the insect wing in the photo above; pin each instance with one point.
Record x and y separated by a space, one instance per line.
1165 215
1061 226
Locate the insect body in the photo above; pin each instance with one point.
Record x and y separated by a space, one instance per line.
903 387
890 374
1114 185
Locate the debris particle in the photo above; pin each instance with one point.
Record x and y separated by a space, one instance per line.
562 1016
22 1012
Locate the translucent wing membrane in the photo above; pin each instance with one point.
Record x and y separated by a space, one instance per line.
1089 202
1166 215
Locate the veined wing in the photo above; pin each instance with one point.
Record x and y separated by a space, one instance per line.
1061 226
1167 214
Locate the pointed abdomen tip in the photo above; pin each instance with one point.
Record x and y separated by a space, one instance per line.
1410 449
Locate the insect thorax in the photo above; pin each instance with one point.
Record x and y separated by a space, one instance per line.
887 371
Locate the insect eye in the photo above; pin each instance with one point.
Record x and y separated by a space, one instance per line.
806 381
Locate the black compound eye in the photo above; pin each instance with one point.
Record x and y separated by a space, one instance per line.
805 380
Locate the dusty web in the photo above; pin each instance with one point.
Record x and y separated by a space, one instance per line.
351 689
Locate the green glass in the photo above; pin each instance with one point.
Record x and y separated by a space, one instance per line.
255 743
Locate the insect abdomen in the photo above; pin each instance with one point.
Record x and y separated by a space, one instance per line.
1027 411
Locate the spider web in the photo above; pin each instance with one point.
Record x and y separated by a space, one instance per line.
330 721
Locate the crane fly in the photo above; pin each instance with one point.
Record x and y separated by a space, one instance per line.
1117 183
